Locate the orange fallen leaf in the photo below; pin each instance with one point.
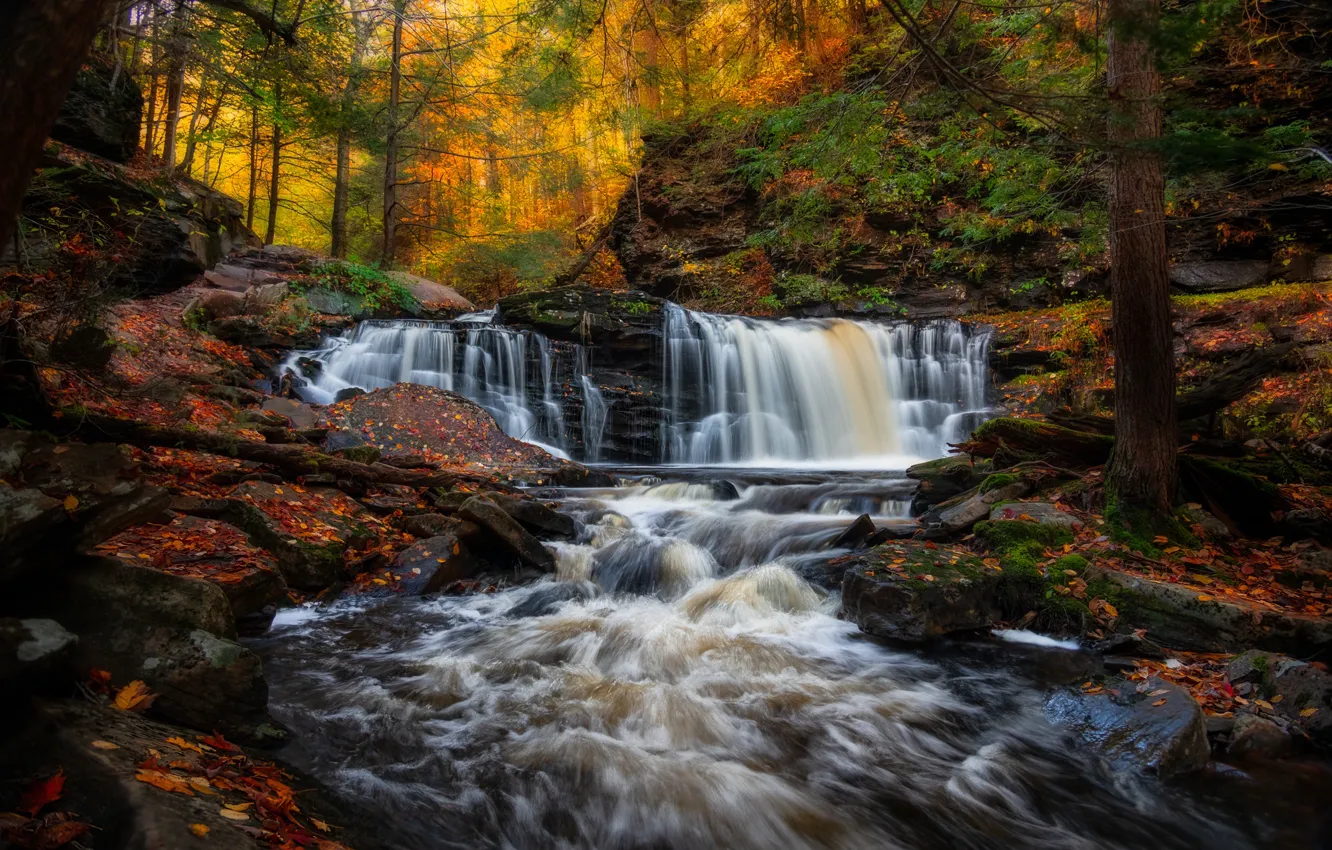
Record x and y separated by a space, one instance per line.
104 745
165 781
199 830
231 814
1160 702
71 503
319 825
184 744
134 697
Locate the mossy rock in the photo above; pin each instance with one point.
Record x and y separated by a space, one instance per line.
361 454
944 478
916 591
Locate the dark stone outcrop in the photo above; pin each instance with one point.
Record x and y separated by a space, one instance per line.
102 112
509 541
309 558
943 479
431 565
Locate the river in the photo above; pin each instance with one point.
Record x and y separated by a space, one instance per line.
680 685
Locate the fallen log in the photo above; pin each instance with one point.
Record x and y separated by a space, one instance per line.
1018 440
292 459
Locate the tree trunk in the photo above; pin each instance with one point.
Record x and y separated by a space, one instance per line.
253 197
42 45
361 26
1143 469
192 137
391 149
274 174
178 52
188 163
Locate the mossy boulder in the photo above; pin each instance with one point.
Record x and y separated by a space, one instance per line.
961 512
913 590
944 478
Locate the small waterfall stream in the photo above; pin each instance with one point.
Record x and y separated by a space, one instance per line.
734 390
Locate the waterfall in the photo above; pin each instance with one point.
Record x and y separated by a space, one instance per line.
745 390
734 390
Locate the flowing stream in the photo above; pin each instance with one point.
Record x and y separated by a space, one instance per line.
684 681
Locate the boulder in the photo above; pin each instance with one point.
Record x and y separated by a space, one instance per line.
433 300
538 518
434 564
30 649
175 633
308 533
1181 617
1218 275
855 534
509 540
102 112
1258 737
1298 691
943 479
212 304
1199 520
434 525
27 518
966 509
336 303
1041 513
300 414
1153 726
913 590
262 299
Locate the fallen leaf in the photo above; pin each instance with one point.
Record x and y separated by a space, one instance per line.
1111 610
199 830
184 744
165 781
59 834
231 814
134 697
238 807
71 503
319 825
1160 702
42 792
104 745
1308 712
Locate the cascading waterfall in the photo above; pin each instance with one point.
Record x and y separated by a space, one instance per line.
742 389
495 367
736 390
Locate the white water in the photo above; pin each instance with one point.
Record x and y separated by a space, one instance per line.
737 391
684 683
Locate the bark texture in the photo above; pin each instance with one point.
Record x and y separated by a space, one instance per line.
42 46
1143 469
391 147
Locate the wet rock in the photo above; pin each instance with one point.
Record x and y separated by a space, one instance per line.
346 393
509 539
1218 275
545 598
1131 645
915 591
431 565
1155 726
536 517
202 680
945 478
31 648
312 557
244 330
26 519
300 414
261 417
965 510
1258 737
389 505
338 439
1041 513
1175 616
856 534
1298 691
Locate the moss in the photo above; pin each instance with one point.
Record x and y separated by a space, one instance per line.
997 480
361 454
1020 546
1138 527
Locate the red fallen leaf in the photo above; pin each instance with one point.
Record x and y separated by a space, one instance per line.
42 792
59 834
217 742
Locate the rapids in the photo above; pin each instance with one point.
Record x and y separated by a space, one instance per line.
683 682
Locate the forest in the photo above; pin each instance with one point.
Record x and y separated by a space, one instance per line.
625 424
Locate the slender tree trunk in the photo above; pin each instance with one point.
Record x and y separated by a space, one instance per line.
1143 469
253 197
390 251
153 57
191 146
178 52
192 135
361 26
42 45
274 174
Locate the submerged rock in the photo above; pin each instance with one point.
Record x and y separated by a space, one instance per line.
915 591
1153 726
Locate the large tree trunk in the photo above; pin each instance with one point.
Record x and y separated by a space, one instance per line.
42 45
1143 469
391 148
